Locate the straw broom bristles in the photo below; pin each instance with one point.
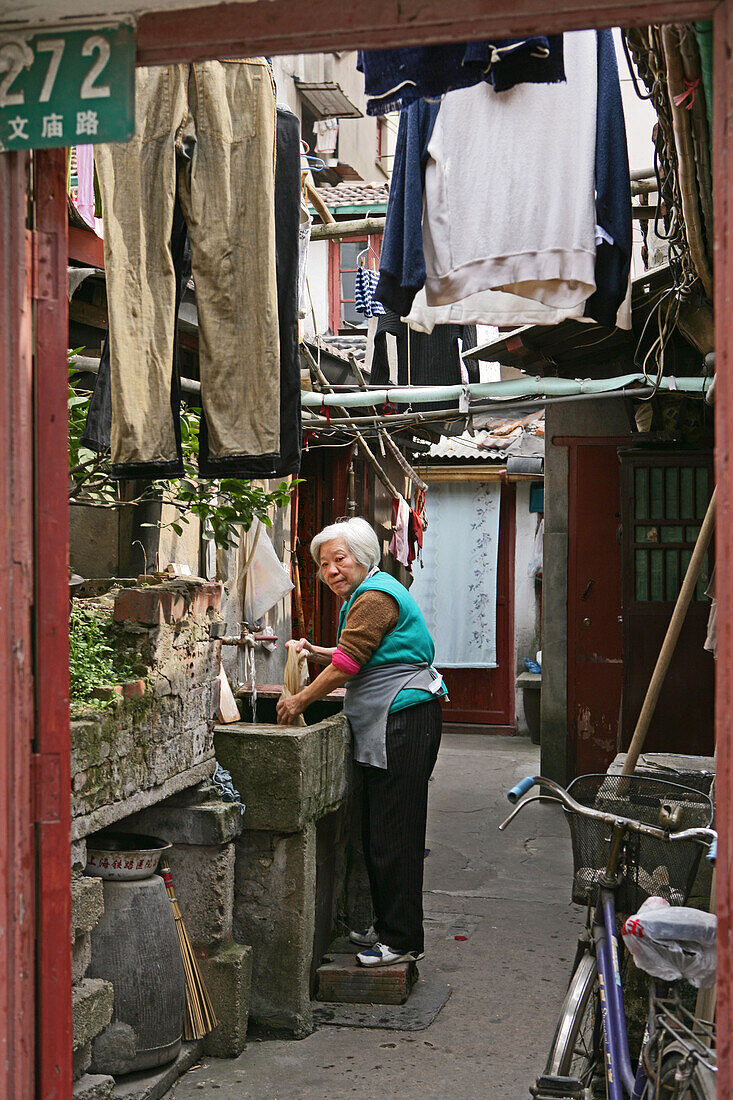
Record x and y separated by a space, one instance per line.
200 1017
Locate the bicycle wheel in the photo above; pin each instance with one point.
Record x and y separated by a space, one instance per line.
577 1048
681 1077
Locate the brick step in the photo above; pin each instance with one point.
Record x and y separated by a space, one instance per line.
342 980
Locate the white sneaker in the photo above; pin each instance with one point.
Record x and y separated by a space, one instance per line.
381 955
365 937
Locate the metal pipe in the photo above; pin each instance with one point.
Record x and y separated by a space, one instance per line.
516 388
415 419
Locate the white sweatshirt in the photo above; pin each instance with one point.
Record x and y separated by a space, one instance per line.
510 189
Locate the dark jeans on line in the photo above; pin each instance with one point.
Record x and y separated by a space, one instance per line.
395 804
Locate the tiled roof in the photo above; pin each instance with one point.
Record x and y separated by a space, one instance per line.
502 437
353 193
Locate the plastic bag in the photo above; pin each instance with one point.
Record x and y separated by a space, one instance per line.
672 942
295 677
266 579
534 569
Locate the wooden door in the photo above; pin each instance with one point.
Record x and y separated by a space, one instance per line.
594 605
485 696
665 496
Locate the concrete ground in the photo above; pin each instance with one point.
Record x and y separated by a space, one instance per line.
509 894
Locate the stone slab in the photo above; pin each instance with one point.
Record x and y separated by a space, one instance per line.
689 771
152 1084
91 1009
287 776
274 911
427 999
228 978
205 824
84 825
341 979
87 903
204 884
93 1086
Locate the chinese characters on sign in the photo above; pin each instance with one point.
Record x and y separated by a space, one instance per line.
67 87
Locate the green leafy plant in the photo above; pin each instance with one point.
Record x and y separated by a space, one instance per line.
223 506
94 659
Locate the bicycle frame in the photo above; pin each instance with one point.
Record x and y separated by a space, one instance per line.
618 1067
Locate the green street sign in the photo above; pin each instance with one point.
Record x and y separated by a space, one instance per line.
67 87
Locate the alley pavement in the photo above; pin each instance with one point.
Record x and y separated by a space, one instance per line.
508 894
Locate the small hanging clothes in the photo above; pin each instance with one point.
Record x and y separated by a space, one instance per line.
399 546
365 284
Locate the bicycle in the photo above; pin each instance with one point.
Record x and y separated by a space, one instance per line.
653 849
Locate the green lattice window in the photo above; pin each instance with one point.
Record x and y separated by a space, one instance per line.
669 505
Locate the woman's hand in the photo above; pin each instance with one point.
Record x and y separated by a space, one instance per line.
300 644
289 709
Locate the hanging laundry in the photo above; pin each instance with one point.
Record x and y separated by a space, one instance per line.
416 529
219 117
395 78
327 133
468 224
304 240
97 432
85 183
287 243
422 360
98 428
365 283
399 546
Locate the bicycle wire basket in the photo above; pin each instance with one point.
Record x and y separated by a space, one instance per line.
648 867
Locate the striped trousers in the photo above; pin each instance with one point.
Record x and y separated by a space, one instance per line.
395 805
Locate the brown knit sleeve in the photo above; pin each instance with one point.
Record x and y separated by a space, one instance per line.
370 617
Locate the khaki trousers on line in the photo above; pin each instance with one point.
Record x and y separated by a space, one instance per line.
225 112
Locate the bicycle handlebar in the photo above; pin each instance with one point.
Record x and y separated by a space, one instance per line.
702 836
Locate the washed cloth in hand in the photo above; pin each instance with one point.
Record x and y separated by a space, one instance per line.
223 116
395 78
295 678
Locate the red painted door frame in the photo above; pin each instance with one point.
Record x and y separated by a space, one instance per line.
292 26
52 757
17 861
593 718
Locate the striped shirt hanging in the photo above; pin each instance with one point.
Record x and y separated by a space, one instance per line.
364 300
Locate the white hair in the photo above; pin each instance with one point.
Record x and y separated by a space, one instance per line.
359 537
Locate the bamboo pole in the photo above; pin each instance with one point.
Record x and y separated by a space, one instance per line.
384 435
670 639
682 130
359 227
318 203
365 448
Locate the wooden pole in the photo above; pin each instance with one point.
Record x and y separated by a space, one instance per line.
670 639
358 228
365 448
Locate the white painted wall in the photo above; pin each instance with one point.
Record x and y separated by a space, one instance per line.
640 119
527 593
317 289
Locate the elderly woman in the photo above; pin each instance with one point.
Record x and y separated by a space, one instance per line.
384 656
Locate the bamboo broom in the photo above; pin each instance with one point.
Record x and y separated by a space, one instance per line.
200 1017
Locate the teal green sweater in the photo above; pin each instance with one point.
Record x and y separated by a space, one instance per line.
408 643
